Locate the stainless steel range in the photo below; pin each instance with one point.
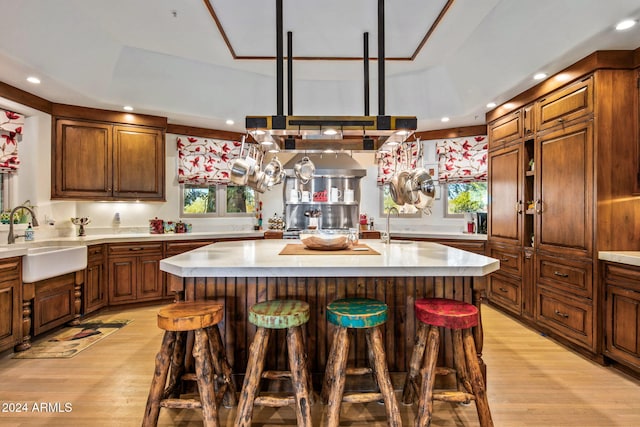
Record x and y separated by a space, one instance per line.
328 200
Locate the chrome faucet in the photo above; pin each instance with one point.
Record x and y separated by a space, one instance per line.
34 221
387 237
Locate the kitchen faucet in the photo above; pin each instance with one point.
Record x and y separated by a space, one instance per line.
34 221
387 236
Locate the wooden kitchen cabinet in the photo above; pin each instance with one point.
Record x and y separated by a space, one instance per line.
103 161
574 162
134 272
10 302
95 287
622 314
54 302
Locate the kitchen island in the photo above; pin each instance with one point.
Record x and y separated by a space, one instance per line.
240 274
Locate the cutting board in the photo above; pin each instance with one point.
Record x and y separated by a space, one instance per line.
297 249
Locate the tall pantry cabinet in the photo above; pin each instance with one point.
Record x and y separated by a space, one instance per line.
562 171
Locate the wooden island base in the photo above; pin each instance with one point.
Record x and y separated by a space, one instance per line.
238 294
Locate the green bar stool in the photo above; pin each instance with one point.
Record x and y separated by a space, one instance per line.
277 314
357 313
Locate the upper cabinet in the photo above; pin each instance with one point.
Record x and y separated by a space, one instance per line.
566 105
101 160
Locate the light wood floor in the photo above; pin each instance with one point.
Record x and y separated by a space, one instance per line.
532 382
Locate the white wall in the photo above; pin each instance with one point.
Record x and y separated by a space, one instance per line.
33 183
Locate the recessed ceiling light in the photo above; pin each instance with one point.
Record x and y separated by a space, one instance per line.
539 76
444 119
259 132
229 122
266 142
491 105
34 80
626 24
274 150
508 106
563 77
127 108
330 132
402 132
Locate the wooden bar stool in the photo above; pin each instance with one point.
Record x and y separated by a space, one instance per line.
460 317
357 313
269 315
212 369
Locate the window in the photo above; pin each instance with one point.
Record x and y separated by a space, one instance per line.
465 197
217 200
403 210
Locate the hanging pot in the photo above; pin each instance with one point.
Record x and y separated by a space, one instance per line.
422 189
304 169
397 187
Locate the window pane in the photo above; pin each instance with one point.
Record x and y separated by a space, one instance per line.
199 200
240 199
466 197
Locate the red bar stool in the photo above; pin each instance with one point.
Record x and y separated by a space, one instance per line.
269 315
211 365
460 317
357 313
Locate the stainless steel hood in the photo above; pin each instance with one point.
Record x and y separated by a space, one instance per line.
328 164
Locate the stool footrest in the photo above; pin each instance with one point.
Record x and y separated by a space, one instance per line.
274 401
358 371
276 375
181 403
454 396
441 370
362 397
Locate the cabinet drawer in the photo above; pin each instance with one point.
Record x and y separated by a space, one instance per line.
623 275
572 318
506 292
95 252
175 248
135 249
505 129
10 268
510 259
566 275
564 105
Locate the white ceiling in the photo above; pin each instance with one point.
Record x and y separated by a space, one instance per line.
168 57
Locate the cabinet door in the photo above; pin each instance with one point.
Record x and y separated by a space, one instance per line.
623 325
505 130
564 168
122 280
565 105
505 194
150 278
138 158
82 159
10 303
94 289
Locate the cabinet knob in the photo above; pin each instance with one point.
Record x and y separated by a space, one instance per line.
561 314
519 207
557 273
538 206
503 290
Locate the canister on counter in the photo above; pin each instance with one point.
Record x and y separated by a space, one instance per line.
156 226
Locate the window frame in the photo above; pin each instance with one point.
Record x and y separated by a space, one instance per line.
221 203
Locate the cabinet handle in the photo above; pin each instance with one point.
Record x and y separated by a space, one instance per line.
560 120
519 207
538 206
561 314
503 290
504 259
557 273
136 249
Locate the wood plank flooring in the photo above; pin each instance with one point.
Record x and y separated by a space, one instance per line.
532 382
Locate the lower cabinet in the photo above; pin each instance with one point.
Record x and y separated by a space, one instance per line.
54 302
10 303
622 314
134 272
95 285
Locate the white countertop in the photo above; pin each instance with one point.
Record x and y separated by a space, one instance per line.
260 258
622 257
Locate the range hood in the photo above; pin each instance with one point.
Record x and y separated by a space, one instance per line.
366 132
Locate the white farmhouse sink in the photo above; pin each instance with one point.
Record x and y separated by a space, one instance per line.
51 261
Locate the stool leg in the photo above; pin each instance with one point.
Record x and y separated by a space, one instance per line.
299 375
411 389
460 362
177 367
255 366
222 367
477 383
163 359
336 375
381 371
425 405
204 375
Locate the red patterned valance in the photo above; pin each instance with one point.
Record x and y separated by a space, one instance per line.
11 126
407 155
462 159
205 160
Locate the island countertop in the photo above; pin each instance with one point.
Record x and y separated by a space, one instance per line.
261 258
